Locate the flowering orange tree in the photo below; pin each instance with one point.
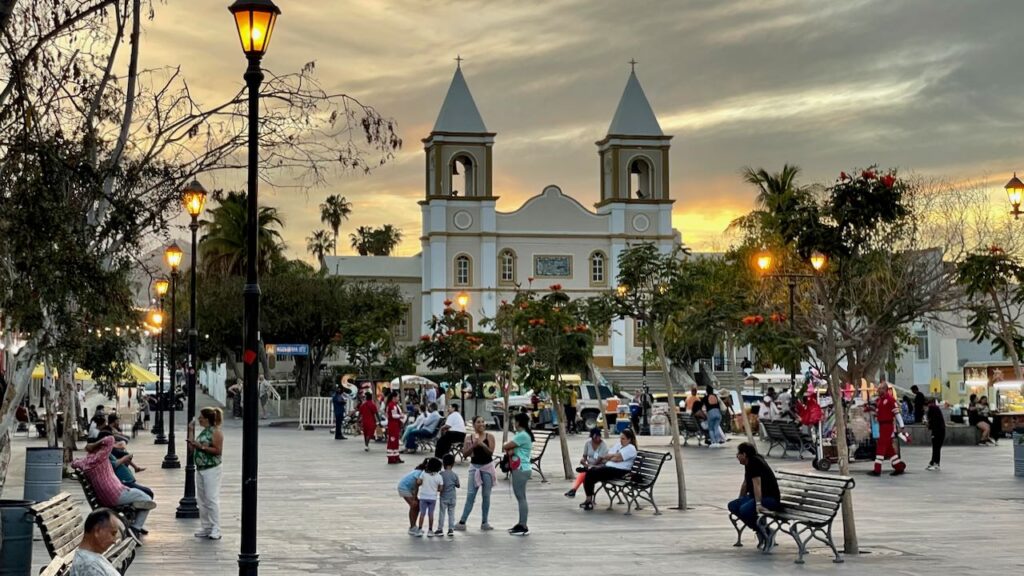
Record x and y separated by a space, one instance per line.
450 347
545 335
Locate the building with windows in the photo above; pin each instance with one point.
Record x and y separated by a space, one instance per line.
471 248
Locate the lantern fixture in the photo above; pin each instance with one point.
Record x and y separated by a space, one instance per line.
764 261
161 285
463 300
173 256
818 260
194 198
1014 191
255 21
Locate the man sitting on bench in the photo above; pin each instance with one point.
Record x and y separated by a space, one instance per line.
102 530
759 491
425 429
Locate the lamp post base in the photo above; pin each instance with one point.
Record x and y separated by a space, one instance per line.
160 439
248 564
171 461
187 508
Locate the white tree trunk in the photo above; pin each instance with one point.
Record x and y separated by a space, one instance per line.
673 419
17 385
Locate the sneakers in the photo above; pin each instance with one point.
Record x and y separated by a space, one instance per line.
412 531
461 526
144 504
202 534
518 530
483 527
418 533
570 494
214 536
933 468
434 533
451 533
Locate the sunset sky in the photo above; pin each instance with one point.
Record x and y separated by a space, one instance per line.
928 86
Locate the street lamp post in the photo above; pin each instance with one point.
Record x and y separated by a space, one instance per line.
1014 191
194 198
161 286
764 263
173 254
255 21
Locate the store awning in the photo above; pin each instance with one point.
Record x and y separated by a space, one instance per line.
80 375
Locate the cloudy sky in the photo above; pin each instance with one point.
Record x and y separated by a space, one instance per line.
929 86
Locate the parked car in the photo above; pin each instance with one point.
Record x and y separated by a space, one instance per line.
588 404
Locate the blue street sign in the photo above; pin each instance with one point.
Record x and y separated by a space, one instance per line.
288 349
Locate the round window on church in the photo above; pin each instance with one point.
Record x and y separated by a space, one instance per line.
462 220
641 223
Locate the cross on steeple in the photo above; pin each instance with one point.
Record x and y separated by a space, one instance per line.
458 61
632 64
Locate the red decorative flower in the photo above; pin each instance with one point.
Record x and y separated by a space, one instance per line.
556 287
524 306
530 279
759 319
525 349
425 338
504 302
843 176
888 180
868 174
993 249
447 302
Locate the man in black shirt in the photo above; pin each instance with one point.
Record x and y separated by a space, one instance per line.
937 425
759 491
919 404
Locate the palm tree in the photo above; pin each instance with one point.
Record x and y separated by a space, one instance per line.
385 240
319 244
333 212
222 246
778 193
362 240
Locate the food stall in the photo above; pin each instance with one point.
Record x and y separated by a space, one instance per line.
1008 407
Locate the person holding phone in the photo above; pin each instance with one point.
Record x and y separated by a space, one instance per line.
209 451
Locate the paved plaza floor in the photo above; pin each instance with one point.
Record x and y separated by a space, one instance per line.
328 508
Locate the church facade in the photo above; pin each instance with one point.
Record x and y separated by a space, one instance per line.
470 248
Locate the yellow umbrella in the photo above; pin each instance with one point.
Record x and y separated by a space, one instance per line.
138 374
80 374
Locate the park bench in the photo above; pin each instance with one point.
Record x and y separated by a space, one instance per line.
540 444
126 512
59 566
787 435
638 484
689 427
61 526
810 503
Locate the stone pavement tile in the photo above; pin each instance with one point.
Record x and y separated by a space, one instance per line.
326 507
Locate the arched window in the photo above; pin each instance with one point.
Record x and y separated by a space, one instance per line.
463 270
598 269
640 182
462 176
507 267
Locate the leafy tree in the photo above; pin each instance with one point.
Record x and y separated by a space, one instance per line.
222 247
319 244
651 284
334 211
993 283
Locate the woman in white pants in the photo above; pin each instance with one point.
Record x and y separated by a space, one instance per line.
208 446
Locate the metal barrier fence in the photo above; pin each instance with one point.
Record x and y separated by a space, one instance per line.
316 411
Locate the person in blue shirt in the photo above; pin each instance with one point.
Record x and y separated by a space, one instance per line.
407 489
339 402
519 449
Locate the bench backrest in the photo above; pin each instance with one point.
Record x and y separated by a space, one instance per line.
59 566
122 552
87 489
60 523
647 466
774 429
540 443
688 422
789 430
816 497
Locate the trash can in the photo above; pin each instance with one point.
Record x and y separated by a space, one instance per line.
43 467
16 547
1018 452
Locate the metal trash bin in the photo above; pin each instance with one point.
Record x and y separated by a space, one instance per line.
43 473
16 547
1018 452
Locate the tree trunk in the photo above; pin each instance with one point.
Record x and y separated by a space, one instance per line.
6 8
563 432
69 403
850 545
17 385
506 425
50 387
673 419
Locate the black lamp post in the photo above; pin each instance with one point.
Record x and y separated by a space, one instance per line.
255 21
764 263
194 198
173 254
161 286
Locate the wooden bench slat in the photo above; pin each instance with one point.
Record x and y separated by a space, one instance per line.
42 507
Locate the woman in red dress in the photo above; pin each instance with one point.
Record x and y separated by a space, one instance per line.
368 419
395 417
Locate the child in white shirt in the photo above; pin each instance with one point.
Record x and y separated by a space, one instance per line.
430 484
